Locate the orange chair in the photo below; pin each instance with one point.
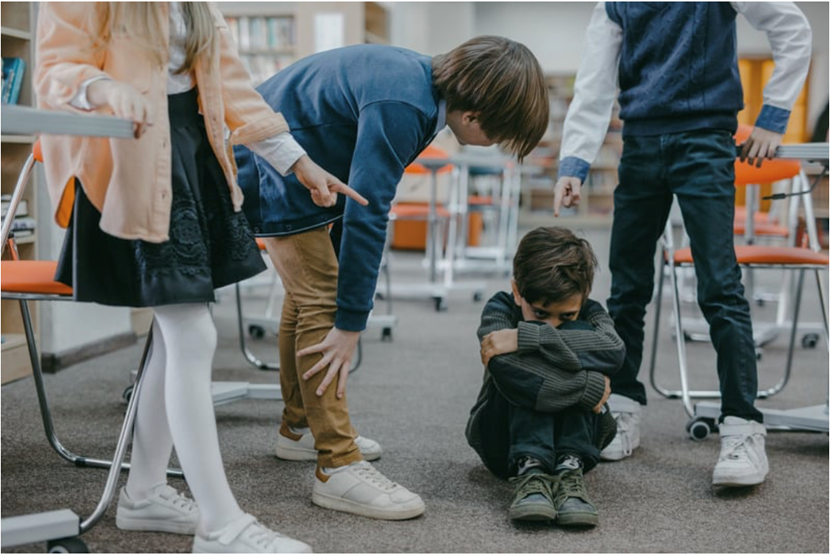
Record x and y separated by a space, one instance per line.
749 257
33 280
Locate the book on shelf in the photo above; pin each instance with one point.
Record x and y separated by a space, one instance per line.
13 69
23 223
22 208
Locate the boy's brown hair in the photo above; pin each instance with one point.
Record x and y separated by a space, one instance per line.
501 80
552 264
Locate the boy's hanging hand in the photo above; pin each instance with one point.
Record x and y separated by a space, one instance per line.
323 186
605 395
499 343
761 144
566 193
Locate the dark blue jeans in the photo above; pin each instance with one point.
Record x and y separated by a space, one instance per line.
698 167
514 432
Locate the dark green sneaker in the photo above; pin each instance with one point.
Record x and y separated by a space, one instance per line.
571 501
533 499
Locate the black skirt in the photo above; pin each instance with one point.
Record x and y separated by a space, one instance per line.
210 245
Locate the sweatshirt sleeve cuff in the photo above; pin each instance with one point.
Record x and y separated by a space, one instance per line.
773 119
350 320
571 166
594 390
528 337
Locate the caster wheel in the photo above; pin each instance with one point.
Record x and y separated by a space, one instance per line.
759 354
477 296
127 393
760 302
257 332
440 304
67 545
386 334
700 428
809 341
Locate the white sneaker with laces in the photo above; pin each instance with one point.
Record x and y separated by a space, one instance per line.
627 413
742 460
361 490
303 448
247 535
164 510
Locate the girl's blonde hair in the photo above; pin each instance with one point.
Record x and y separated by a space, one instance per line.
141 22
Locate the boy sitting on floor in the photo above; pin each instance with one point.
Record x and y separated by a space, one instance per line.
548 351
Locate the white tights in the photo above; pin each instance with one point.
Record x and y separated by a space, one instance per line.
176 409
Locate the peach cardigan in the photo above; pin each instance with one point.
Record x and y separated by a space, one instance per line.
128 180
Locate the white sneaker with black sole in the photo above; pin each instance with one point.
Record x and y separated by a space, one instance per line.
742 460
361 490
247 535
164 510
627 414
303 449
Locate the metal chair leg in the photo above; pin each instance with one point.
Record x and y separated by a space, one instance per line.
243 345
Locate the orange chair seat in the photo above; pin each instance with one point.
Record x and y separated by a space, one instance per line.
260 243
761 254
35 277
740 214
417 211
766 229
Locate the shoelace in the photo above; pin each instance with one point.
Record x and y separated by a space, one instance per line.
261 536
179 500
530 484
370 473
571 486
623 427
735 447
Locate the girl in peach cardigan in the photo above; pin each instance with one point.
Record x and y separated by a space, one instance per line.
156 222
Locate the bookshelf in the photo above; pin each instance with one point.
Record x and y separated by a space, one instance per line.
272 35
597 203
17 21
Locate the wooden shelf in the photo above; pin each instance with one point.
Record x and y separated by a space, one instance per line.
15 33
15 358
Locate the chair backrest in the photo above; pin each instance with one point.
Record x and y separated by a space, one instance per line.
431 151
769 172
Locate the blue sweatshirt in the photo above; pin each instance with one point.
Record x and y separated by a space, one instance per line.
363 113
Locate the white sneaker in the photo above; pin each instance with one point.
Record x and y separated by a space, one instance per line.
742 460
361 490
627 413
303 448
164 510
247 535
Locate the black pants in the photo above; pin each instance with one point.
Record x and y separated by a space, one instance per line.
698 167
511 432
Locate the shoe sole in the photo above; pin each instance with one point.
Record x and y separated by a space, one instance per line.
296 454
532 513
577 519
737 481
346 506
149 525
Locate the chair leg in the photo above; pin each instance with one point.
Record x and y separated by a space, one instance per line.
243 345
45 411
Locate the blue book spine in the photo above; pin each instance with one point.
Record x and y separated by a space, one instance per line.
13 68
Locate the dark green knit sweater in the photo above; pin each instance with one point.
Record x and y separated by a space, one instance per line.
554 368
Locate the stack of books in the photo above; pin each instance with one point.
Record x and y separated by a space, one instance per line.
23 224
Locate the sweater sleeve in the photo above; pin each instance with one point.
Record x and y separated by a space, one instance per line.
528 379
592 341
389 134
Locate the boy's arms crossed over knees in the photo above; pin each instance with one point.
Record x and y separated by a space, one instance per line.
547 382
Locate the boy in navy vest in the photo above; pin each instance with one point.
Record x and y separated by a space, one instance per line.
680 93
364 113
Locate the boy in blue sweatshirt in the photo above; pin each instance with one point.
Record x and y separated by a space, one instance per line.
548 351
680 92
364 113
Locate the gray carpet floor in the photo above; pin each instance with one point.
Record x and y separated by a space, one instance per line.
413 395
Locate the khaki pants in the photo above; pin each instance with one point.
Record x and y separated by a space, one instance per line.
308 268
